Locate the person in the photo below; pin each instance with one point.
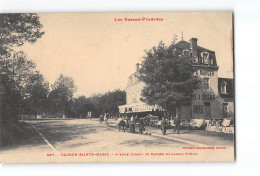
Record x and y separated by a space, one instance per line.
121 124
141 126
118 120
163 126
172 122
132 118
105 118
177 125
132 125
101 118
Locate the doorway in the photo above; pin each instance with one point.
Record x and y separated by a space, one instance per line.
207 113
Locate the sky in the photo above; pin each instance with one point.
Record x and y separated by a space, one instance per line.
100 53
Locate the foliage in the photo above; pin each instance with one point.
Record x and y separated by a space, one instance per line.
27 88
18 28
109 102
18 70
62 92
37 91
168 76
99 104
81 106
15 30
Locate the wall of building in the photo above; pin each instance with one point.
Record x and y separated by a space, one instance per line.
133 93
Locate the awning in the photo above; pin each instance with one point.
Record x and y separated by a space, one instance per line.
138 107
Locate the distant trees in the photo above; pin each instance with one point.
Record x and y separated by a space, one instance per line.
27 92
81 106
99 104
109 102
169 78
61 94
37 94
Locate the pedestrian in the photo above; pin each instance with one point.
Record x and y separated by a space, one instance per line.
172 122
163 126
177 125
105 118
101 118
121 125
141 126
132 125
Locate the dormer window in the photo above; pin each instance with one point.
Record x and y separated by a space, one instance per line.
186 53
224 87
205 57
206 83
195 60
211 62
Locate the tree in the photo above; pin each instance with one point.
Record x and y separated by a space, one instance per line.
23 82
81 106
108 102
61 94
18 28
37 90
18 70
169 78
111 101
15 30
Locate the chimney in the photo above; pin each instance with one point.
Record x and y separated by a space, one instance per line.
137 68
193 47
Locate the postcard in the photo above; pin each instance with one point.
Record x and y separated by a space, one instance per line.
117 87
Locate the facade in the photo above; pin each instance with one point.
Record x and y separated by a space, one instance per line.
134 105
213 100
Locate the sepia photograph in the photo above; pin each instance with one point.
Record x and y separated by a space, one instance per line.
117 87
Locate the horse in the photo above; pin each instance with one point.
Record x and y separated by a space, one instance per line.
121 124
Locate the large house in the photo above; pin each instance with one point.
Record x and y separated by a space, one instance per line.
213 100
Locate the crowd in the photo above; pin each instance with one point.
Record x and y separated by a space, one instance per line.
133 122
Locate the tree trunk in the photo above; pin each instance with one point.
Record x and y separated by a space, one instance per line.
178 119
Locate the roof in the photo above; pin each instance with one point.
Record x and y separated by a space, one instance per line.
186 45
229 82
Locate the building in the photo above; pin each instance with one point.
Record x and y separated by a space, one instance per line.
134 105
213 100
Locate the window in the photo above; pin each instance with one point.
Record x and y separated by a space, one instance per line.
211 62
205 57
211 73
186 53
195 73
223 87
206 83
225 110
197 109
206 97
207 72
195 60
193 96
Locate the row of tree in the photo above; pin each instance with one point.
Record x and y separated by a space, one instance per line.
99 104
25 89
29 93
17 73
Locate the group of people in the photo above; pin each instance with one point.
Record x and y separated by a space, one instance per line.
175 122
130 123
103 117
124 123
